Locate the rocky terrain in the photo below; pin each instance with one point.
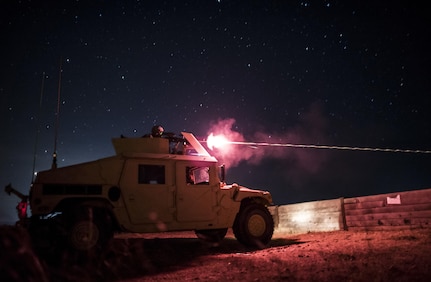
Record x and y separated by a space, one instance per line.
391 255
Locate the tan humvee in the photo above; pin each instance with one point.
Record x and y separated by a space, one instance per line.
150 185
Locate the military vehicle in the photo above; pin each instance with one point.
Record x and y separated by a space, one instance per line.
149 185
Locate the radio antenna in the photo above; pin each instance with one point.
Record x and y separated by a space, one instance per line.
37 127
57 119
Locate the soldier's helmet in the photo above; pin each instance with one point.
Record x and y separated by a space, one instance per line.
157 131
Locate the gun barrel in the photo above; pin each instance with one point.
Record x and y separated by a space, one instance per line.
10 190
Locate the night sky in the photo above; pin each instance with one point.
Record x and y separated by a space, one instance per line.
343 73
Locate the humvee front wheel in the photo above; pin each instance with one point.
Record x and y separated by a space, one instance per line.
253 225
88 230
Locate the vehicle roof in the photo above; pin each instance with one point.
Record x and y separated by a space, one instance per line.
157 148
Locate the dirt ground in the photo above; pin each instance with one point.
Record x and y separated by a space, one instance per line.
392 255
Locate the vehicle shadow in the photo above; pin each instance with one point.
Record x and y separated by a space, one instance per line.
127 258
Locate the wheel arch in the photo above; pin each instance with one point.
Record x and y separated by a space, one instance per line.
254 200
102 205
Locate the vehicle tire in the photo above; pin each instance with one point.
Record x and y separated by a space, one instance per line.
211 235
254 225
90 229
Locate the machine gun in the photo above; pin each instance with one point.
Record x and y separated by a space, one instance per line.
10 190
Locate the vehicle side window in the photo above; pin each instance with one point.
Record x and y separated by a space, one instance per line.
151 174
197 175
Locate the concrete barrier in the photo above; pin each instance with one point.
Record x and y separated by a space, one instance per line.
409 209
309 217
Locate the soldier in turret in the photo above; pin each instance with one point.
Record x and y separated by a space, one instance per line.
156 131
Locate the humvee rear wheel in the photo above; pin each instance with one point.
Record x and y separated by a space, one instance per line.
88 230
211 235
84 235
254 226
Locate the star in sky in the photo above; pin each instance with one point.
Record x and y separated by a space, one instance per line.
320 72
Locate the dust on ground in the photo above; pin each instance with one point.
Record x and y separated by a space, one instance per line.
391 255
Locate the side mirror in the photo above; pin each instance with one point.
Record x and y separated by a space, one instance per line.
222 173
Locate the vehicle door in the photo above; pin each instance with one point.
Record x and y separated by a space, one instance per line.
196 191
148 191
